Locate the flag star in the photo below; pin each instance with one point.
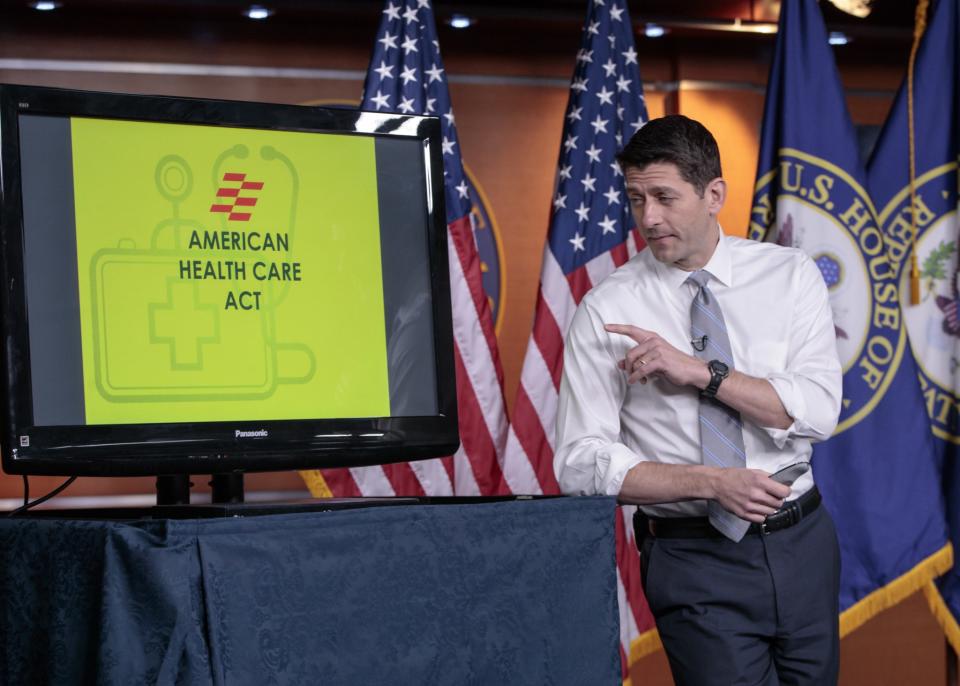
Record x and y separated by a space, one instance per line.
594 28
409 74
423 3
620 112
610 67
570 143
615 166
577 242
381 100
385 70
585 55
430 103
599 125
462 189
598 3
630 55
406 105
436 45
588 183
434 73
449 117
411 15
579 85
606 97
560 202
613 40
447 146
565 171
583 212
575 113
409 45
623 84
388 40
609 225
612 196
619 139
594 153
392 12
615 13
637 125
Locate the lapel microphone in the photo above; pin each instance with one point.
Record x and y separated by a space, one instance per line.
699 343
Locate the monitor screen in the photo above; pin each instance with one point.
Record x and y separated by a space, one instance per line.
205 286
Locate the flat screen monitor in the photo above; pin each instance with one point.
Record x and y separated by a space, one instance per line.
201 286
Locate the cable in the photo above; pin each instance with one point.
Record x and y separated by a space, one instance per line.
26 490
43 499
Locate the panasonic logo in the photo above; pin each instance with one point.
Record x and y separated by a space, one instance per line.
261 433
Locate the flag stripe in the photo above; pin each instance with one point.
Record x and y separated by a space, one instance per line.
580 283
535 443
556 293
628 561
549 341
462 240
518 473
473 343
475 438
403 479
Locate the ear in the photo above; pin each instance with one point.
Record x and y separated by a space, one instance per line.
715 194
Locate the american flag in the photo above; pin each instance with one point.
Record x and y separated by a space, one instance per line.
406 75
591 233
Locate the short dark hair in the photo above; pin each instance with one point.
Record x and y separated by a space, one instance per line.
679 140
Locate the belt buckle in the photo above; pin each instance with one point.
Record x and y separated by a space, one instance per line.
763 528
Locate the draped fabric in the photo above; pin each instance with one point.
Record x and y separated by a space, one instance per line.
422 594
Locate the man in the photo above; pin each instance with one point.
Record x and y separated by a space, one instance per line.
691 374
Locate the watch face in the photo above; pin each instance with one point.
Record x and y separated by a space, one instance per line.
719 367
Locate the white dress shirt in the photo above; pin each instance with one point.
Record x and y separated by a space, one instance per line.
778 317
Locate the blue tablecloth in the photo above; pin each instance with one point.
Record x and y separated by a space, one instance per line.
482 593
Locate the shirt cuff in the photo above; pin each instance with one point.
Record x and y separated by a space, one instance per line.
612 464
793 403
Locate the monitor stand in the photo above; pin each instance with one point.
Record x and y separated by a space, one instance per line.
227 500
173 489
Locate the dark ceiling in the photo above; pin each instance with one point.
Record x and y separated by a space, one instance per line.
889 17
503 27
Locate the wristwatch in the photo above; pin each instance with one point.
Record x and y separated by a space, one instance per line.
718 372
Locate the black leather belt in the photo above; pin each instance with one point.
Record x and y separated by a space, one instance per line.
699 527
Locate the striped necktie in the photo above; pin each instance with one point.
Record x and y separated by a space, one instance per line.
721 432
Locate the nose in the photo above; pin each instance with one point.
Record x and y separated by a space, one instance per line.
650 215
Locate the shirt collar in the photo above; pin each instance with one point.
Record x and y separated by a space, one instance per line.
719 267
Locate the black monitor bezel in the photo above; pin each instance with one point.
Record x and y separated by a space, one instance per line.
211 447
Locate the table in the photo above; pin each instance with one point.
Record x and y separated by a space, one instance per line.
514 592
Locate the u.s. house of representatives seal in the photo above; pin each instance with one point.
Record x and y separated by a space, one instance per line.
932 325
809 203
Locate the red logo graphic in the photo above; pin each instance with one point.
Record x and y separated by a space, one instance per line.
233 186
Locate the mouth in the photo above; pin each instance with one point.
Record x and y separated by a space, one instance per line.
657 239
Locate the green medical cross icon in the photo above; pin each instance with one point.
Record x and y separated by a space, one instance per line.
185 324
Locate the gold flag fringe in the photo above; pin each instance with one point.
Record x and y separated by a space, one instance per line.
905 585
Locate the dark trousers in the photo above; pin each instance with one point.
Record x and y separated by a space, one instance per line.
762 612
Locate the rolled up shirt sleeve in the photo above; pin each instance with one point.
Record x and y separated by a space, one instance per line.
589 458
810 387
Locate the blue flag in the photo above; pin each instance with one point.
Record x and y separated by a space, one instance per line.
879 473
932 325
